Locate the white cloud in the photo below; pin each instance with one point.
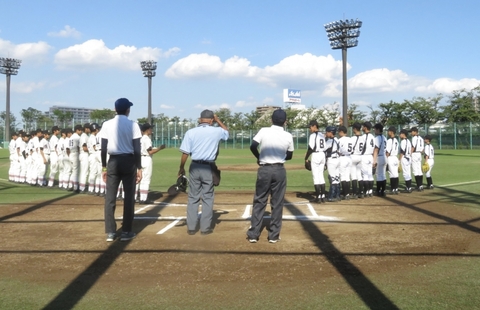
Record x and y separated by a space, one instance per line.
164 106
66 32
27 87
34 52
380 80
293 70
213 107
95 54
447 86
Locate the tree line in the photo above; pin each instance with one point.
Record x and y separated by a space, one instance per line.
461 106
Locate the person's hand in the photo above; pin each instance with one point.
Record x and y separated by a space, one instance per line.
215 118
162 146
139 175
104 176
181 172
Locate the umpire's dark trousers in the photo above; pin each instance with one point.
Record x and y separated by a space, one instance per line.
120 168
271 179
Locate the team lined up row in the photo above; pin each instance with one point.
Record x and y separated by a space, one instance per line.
352 162
75 155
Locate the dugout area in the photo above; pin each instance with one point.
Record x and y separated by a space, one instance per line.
411 251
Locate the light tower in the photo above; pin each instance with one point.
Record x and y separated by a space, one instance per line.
148 68
344 34
8 66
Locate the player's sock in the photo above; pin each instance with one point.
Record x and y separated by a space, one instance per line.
354 187
360 187
322 190
429 181
317 191
408 183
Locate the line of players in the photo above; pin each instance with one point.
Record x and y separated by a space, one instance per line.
75 155
352 162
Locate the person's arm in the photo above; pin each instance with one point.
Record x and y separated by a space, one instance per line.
153 151
254 149
137 154
219 122
308 153
289 155
183 160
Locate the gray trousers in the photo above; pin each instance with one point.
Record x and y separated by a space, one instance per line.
120 168
270 180
200 188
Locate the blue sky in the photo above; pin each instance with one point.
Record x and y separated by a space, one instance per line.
233 54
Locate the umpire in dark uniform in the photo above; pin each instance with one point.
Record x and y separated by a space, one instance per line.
121 140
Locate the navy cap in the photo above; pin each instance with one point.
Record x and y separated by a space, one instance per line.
279 116
207 114
94 126
122 104
331 129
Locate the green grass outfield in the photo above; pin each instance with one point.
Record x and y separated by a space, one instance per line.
457 169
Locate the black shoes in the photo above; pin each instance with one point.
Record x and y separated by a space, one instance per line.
207 232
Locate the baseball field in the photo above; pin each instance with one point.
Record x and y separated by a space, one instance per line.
407 251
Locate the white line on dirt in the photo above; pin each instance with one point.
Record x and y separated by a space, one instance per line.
246 214
172 224
456 184
312 210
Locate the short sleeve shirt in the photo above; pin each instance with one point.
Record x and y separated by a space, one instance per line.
120 133
346 145
380 144
316 142
429 151
368 143
145 144
406 148
54 144
201 142
274 143
392 147
417 143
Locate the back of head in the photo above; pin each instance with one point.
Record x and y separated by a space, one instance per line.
279 117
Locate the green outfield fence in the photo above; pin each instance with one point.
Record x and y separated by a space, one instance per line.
445 136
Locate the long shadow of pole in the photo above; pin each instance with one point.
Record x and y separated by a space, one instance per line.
78 288
371 295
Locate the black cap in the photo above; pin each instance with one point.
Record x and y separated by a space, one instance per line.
404 131
94 126
313 123
415 129
367 125
207 114
279 116
331 129
392 129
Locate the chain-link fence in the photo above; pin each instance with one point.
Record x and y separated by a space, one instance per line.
444 136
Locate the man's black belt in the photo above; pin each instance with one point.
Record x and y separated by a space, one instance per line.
203 162
275 164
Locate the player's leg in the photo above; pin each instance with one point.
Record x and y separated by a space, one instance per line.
262 188
146 178
428 175
278 187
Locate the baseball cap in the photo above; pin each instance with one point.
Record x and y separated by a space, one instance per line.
330 129
415 129
313 123
207 114
145 126
122 104
368 125
279 116
392 129
404 131
94 126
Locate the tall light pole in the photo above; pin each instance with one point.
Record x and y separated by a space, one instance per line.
8 66
343 34
148 68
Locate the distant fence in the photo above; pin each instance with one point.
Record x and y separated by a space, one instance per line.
444 136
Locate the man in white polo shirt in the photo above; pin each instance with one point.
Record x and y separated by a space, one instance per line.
121 140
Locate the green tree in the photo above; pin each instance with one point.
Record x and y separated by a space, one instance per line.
461 107
394 113
63 118
13 123
424 111
225 115
102 115
355 115
251 119
30 117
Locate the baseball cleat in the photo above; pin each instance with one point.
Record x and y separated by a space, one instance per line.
253 240
431 186
111 237
126 236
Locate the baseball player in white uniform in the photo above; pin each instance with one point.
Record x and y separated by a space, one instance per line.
93 171
33 158
54 156
19 156
392 159
405 158
44 158
99 183
12 148
316 148
417 150
83 159
332 155
429 158
22 153
380 160
345 143
67 164
356 156
368 146
147 150
73 150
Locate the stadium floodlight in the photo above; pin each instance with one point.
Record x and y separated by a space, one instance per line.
148 68
343 34
9 67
